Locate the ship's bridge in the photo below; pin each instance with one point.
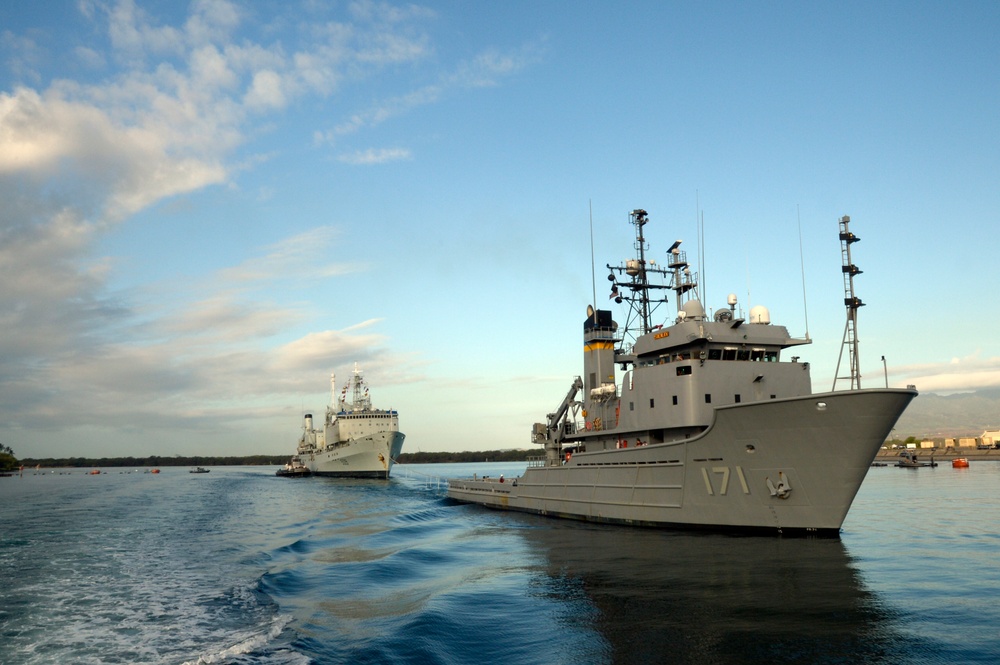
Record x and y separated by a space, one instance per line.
711 340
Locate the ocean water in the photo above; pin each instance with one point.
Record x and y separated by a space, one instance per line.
239 566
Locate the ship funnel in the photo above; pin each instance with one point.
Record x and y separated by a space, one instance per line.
309 421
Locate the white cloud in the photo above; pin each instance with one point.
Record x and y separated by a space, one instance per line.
325 349
266 91
958 375
88 58
484 70
372 156
133 35
303 256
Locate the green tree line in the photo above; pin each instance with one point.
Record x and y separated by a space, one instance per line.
153 461
9 462
471 456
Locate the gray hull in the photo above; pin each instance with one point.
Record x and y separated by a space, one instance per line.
364 457
789 465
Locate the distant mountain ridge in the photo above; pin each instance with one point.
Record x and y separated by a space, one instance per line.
962 414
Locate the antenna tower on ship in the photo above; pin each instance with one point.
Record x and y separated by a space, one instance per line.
853 303
362 400
643 295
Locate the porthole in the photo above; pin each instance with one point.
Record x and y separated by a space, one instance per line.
821 406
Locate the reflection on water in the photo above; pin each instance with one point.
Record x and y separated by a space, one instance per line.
694 598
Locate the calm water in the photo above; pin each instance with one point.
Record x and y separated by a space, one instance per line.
238 566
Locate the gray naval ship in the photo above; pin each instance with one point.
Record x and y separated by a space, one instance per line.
708 425
356 441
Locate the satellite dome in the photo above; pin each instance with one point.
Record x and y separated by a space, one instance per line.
759 314
693 310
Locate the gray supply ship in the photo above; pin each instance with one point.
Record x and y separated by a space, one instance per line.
356 441
708 425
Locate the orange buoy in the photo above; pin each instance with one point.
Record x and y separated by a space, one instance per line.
960 463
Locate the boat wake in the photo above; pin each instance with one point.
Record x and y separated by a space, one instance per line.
259 644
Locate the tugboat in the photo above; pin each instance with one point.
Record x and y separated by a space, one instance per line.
708 425
294 469
356 441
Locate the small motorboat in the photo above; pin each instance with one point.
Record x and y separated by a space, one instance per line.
908 460
199 469
960 463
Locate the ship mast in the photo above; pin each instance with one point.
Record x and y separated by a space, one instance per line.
853 303
362 400
643 294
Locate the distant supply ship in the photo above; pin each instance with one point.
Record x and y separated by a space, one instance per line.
356 441
708 426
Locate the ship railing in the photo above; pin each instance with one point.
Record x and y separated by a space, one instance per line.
538 461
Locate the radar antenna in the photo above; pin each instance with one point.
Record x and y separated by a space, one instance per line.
644 285
853 303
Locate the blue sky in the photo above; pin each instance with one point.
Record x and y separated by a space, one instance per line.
210 207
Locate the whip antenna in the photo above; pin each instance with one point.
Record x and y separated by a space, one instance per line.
593 277
802 262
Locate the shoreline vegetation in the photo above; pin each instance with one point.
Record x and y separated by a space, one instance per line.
513 455
261 460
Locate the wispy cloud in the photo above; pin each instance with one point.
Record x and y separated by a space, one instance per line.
372 156
486 69
959 375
